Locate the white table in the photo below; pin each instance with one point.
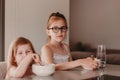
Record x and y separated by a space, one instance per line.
76 74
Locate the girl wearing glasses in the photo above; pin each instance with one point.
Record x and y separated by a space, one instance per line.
55 51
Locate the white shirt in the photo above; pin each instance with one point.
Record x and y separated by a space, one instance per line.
59 58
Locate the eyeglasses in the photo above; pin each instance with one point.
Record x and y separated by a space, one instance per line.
56 29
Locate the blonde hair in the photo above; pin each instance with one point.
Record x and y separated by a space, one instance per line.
55 17
13 50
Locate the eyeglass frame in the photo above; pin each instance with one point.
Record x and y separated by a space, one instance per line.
62 29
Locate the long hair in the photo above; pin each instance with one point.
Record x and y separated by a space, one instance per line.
13 50
55 17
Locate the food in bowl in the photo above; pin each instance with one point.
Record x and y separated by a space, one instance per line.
43 70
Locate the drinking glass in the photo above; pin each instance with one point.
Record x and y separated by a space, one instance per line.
101 56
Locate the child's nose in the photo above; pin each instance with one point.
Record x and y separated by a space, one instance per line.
60 31
25 54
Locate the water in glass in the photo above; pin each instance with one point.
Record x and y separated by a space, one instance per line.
101 55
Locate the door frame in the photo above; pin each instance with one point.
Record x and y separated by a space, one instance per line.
2 29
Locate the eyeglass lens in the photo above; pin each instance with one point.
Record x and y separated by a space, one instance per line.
56 29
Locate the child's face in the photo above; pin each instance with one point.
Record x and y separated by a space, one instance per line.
60 34
22 52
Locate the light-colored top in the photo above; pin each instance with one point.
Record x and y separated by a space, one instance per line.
59 58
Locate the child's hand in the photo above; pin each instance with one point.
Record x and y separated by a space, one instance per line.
36 58
89 63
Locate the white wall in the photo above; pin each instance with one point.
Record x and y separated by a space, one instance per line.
95 22
28 18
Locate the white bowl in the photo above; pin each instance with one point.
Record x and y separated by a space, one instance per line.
43 70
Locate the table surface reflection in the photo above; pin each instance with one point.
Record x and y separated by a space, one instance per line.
77 74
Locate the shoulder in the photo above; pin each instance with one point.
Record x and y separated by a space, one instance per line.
66 45
10 71
46 50
12 68
46 47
